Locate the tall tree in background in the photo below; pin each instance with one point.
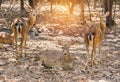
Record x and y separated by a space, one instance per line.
88 4
31 3
108 7
82 10
22 4
94 4
0 3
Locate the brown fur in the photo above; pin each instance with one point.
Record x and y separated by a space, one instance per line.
27 25
32 16
22 34
68 62
97 35
6 38
64 61
72 4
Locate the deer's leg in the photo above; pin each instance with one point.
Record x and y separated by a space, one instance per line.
87 48
87 45
93 54
24 43
15 40
100 45
21 47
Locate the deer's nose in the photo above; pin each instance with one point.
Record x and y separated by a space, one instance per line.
65 52
34 15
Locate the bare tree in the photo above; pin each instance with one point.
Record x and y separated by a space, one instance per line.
0 3
31 3
82 10
88 2
108 7
22 4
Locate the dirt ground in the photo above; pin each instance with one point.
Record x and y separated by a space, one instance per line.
54 27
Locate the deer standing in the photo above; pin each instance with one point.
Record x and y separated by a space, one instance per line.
94 36
21 27
32 16
20 30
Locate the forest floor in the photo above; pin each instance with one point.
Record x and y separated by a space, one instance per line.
54 27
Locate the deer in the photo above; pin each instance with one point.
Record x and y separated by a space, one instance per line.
20 28
65 61
32 16
68 62
94 37
6 38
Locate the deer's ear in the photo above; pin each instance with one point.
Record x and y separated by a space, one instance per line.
27 7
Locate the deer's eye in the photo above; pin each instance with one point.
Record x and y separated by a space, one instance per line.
34 15
16 24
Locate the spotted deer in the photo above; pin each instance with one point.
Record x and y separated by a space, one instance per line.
59 60
21 27
68 62
32 16
94 37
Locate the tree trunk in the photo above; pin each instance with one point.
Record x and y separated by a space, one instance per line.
108 7
71 6
94 4
88 2
0 3
22 4
31 3
101 3
119 5
82 10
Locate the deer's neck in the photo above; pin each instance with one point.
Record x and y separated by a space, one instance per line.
102 26
67 58
31 21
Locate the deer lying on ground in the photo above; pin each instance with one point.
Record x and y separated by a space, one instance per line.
6 38
21 27
94 36
68 62
65 61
